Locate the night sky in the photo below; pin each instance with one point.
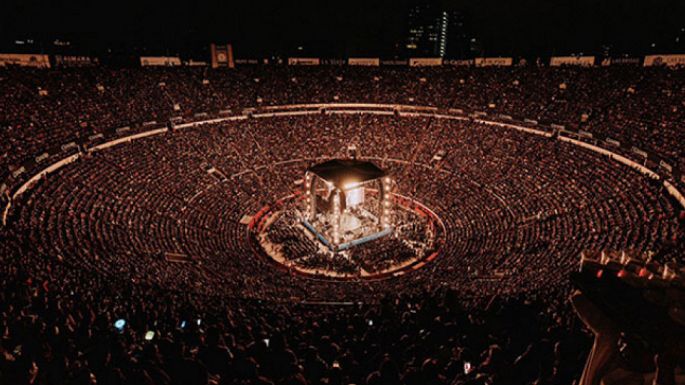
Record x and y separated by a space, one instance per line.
338 29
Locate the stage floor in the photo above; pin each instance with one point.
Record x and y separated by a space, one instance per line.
280 235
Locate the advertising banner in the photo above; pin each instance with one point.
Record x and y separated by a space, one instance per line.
195 63
459 62
247 61
167 61
75 61
425 61
24 60
333 62
493 61
584 61
394 62
664 60
364 61
625 61
304 61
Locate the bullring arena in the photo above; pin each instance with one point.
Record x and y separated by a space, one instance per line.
155 223
416 192
176 205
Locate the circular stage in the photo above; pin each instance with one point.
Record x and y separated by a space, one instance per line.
277 233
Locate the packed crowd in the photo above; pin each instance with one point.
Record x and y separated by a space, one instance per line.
640 106
84 247
59 331
156 196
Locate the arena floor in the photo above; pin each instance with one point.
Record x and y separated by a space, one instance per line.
416 239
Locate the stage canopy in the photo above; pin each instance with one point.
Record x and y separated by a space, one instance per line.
342 172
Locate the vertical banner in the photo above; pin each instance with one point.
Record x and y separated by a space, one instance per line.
222 56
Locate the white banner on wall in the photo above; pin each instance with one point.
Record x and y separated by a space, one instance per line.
24 60
458 62
75 61
364 61
664 60
304 61
194 63
425 61
167 61
493 61
625 61
584 61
